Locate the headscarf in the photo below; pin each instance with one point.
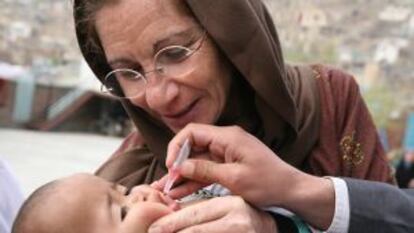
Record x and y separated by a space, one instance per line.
285 98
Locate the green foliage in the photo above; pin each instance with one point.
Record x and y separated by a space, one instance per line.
381 103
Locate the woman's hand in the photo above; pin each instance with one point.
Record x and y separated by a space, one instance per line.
229 214
233 158
240 162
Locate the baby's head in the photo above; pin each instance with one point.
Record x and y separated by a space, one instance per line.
86 203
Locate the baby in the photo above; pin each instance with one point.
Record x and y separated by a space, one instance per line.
86 203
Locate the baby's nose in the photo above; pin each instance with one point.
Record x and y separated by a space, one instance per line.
143 193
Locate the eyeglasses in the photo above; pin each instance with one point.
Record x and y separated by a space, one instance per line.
171 61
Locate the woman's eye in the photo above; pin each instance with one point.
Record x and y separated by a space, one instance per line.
174 55
128 76
124 212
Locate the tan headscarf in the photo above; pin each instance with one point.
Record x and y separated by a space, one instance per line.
281 104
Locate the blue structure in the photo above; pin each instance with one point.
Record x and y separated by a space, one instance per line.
384 139
409 133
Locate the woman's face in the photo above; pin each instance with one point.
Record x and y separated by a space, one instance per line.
132 32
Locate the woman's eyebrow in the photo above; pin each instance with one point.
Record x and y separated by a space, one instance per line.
186 33
119 61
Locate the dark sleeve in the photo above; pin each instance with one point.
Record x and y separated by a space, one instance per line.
378 207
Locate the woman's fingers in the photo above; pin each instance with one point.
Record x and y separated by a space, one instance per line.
181 190
201 173
222 214
185 189
191 216
159 184
205 171
236 160
230 223
202 137
209 227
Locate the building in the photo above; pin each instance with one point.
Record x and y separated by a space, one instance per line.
395 14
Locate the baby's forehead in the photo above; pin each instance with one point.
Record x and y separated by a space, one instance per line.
83 176
82 187
79 197
84 179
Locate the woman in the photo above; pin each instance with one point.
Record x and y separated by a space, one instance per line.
405 170
175 62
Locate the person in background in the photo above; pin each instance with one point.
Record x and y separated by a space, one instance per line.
405 170
11 197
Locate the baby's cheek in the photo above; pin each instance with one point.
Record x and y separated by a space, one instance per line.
142 215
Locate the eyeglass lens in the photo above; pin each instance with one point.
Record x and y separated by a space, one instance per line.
172 61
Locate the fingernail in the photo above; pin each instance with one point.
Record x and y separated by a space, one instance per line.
187 168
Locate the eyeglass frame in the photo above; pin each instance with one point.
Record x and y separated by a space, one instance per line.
158 70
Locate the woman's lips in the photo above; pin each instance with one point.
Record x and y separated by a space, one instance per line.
180 113
182 116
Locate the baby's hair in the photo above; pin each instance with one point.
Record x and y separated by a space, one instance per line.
30 207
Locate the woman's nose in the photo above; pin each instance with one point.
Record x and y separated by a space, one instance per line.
160 92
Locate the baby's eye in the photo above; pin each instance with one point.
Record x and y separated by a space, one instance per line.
124 212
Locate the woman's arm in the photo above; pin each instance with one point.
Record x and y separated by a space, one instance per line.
349 144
